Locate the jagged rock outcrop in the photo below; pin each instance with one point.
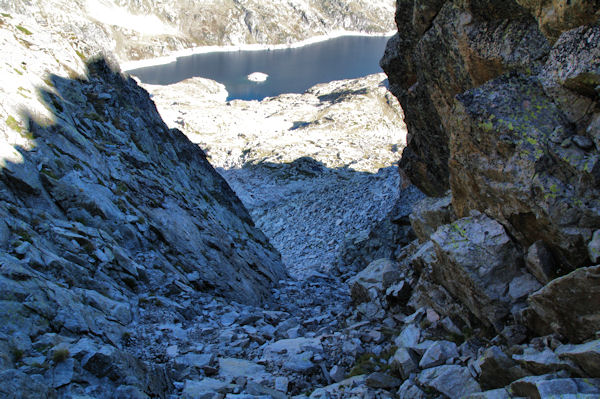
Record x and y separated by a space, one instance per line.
429 62
501 104
135 30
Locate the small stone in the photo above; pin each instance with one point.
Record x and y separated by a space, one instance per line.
409 337
594 247
232 367
23 248
522 286
408 390
195 389
500 393
197 360
229 318
438 354
540 262
381 380
404 362
432 316
337 373
172 351
583 142
62 374
451 380
282 384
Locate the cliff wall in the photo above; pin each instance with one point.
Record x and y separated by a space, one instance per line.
501 101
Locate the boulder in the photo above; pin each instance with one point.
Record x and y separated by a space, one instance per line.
453 381
429 214
382 381
550 386
569 305
586 356
504 163
497 369
373 281
477 261
543 362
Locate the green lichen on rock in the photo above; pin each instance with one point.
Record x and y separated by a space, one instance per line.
12 123
24 30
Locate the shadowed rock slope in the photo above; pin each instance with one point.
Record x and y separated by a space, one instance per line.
104 212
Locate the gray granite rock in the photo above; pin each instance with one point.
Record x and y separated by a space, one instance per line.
451 380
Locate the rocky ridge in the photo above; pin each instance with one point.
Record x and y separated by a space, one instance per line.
134 30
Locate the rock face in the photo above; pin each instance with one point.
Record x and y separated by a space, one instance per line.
433 59
135 30
501 103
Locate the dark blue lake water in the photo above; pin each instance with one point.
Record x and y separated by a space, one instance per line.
291 70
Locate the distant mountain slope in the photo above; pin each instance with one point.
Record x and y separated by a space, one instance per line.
138 29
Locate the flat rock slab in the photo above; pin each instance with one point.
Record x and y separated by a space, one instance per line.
232 367
453 381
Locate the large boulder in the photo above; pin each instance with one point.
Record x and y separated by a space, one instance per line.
509 161
477 262
569 305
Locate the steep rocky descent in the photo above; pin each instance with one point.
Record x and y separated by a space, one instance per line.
104 213
312 168
501 107
135 30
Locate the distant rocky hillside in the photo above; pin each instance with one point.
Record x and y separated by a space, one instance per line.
135 30
355 123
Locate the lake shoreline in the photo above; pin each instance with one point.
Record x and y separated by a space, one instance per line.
132 65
